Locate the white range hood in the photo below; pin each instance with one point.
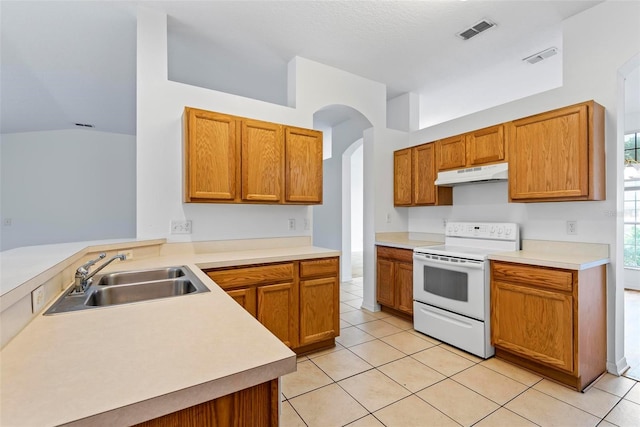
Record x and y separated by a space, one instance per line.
488 173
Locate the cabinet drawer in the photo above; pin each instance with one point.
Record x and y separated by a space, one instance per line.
255 275
542 277
405 255
319 267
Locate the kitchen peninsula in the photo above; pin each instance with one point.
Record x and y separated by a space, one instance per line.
130 363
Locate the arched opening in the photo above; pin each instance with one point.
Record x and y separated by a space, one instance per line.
335 219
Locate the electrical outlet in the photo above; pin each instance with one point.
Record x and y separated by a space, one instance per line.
181 226
572 227
6 222
127 253
388 217
37 299
444 222
292 224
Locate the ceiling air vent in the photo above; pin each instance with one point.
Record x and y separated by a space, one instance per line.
85 125
475 29
537 57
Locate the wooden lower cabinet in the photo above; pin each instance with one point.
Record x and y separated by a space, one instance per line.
278 311
549 320
394 281
255 406
297 301
246 297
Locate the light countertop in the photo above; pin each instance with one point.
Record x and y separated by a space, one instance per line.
129 363
566 255
411 241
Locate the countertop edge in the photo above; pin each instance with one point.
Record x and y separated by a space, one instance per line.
411 245
180 399
543 261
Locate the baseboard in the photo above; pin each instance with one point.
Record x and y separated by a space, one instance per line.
372 308
619 367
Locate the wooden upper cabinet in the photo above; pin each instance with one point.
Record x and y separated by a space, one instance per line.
451 153
424 174
211 156
414 178
262 161
558 155
303 165
486 146
230 159
402 177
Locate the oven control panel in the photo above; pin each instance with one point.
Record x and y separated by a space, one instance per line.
483 230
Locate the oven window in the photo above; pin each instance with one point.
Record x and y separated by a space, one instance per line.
446 283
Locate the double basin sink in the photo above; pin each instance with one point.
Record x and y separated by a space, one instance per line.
130 286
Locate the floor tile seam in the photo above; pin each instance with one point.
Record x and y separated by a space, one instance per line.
611 410
437 409
410 391
402 351
507 409
498 372
361 404
487 397
393 333
361 372
298 413
505 375
353 397
561 401
444 344
620 399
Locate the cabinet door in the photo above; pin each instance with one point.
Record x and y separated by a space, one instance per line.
262 161
486 146
451 153
402 179
536 324
211 156
303 166
278 311
549 155
404 287
424 174
246 297
319 302
385 292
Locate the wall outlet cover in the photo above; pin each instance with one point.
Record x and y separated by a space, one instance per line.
37 299
181 226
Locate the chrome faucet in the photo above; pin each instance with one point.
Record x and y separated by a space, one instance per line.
83 277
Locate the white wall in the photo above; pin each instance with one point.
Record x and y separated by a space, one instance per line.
591 63
67 186
356 184
311 87
507 82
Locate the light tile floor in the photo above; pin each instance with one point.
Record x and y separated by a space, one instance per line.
383 373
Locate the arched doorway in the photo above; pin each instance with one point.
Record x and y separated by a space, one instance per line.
343 127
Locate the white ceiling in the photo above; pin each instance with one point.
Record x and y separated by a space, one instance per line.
68 62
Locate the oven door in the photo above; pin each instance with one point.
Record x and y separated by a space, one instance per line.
451 284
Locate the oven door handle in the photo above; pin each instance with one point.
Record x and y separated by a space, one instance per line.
467 264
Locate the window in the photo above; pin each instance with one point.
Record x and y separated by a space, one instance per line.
632 200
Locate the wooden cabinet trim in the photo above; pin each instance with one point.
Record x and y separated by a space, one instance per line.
402 177
317 296
396 254
319 267
451 153
252 275
536 276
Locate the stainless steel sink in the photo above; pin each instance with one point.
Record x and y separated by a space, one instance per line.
127 287
127 277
